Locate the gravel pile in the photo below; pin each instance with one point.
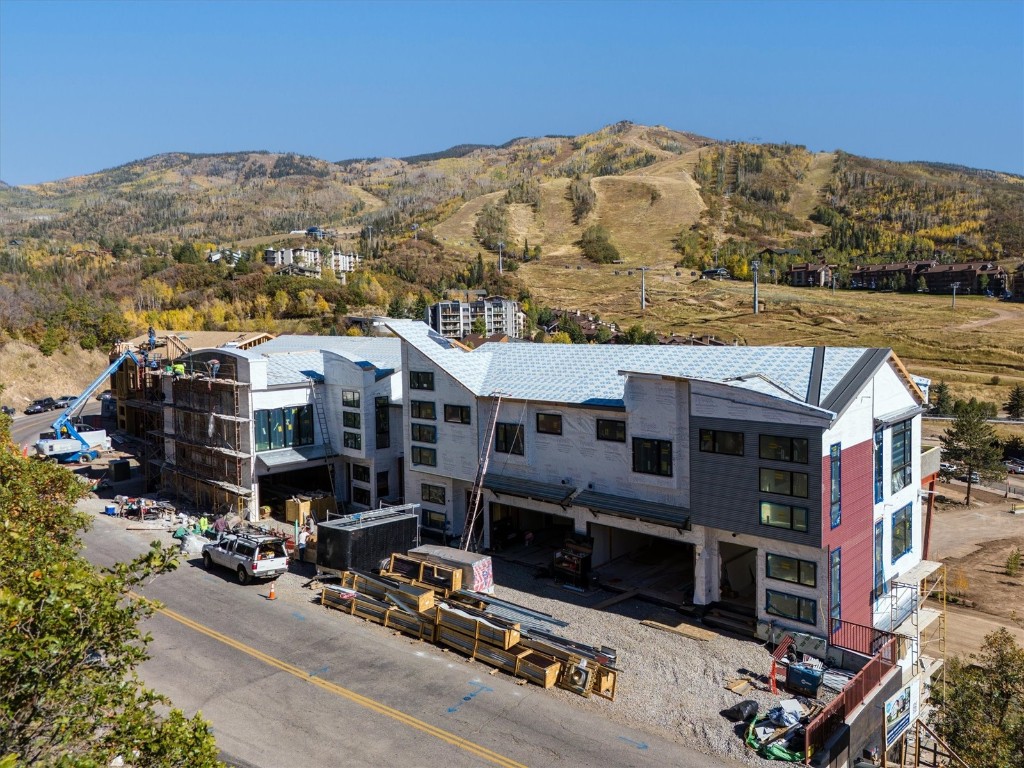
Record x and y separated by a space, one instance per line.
668 684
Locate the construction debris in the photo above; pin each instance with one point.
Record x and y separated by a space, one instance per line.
424 599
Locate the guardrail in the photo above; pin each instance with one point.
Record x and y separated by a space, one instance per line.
883 648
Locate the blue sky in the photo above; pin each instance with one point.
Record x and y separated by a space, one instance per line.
89 85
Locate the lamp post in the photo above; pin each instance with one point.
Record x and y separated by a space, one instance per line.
501 249
755 265
954 286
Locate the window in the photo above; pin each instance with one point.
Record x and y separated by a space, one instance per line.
425 456
508 438
835 592
351 419
790 569
360 473
422 409
783 516
382 484
432 519
800 609
879 457
352 440
652 457
776 448
784 482
880 585
611 429
361 495
283 427
901 457
350 398
902 532
424 433
421 380
549 423
718 441
835 457
382 416
432 494
457 414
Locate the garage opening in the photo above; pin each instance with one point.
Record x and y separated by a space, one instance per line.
275 489
738 577
657 568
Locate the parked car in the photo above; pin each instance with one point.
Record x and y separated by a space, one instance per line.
6 409
106 394
41 405
1014 467
249 556
973 479
64 401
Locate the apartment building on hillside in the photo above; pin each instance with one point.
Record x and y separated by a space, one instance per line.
456 318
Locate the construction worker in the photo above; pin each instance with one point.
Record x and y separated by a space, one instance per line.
303 541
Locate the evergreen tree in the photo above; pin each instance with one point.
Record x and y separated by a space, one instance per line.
1015 405
942 400
971 441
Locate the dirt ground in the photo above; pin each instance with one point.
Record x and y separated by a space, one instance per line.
974 543
27 375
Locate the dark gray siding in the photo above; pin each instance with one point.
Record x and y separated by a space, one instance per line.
724 490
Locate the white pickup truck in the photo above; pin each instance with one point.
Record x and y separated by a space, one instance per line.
249 556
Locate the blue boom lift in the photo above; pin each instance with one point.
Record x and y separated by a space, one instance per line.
72 442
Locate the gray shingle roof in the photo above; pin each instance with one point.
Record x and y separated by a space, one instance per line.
293 359
593 374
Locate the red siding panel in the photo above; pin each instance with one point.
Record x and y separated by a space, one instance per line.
854 535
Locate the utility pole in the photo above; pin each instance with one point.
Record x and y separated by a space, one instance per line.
954 286
643 288
755 265
369 241
501 249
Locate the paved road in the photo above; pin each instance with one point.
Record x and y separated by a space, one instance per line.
288 684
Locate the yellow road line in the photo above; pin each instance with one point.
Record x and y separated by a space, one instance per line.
431 730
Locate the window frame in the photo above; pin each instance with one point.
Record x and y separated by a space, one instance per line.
902 518
802 603
901 452
835 586
383 488
458 414
790 456
798 566
772 482
353 440
422 380
431 496
791 509
382 421
360 473
835 454
361 492
419 453
613 435
418 409
350 398
423 433
286 427
879 464
433 519
551 428
501 438
658 455
708 441
351 419
880 585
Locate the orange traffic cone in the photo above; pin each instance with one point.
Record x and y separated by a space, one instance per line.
273 594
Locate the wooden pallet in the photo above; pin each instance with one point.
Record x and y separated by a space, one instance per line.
494 632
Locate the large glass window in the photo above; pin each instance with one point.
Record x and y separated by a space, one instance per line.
283 427
879 583
351 419
783 516
432 494
652 457
508 438
350 398
902 532
422 409
457 414
421 379
879 457
784 482
791 569
612 430
382 415
425 456
549 423
801 609
835 588
352 440
778 448
835 456
719 441
424 433
901 455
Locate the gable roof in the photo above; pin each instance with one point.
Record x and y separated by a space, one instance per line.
819 377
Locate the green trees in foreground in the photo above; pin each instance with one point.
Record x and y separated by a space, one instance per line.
70 641
980 713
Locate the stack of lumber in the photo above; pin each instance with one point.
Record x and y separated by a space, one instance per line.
440 578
